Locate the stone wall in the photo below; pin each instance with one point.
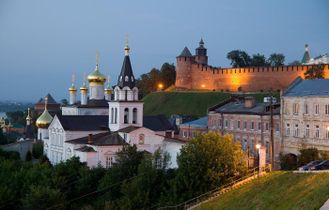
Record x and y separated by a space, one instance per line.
197 77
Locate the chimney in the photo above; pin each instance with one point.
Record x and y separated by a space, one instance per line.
249 102
90 138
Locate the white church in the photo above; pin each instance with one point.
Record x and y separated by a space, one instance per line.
96 127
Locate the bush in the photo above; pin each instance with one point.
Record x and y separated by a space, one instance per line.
37 150
288 162
28 156
308 155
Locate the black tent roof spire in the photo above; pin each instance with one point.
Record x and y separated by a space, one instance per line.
126 77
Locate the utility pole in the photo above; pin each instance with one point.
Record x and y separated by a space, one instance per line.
272 130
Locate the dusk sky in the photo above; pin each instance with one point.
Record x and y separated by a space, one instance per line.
43 42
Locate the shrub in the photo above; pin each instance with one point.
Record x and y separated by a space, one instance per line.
288 161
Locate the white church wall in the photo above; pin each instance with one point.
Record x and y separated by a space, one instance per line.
173 149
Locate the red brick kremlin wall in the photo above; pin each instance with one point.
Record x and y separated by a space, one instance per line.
193 76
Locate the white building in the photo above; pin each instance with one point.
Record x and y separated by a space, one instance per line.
321 59
305 116
96 128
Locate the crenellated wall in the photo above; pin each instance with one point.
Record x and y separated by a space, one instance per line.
197 77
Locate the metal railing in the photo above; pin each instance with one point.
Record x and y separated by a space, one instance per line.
215 192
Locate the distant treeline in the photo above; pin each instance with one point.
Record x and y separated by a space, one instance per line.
7 106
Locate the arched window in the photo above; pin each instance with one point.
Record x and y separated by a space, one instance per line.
141 139
112 115
115 115
126 78
126 116
132 78
134 115
68 153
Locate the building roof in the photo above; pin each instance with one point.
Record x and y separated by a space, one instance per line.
84 122
199 123
85 149
238 107
101 139
50 99
91 103
126 77
128 129
157 123
306 57
185 53
316 87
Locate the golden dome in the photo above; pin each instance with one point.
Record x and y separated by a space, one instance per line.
44 120
84 87
96 76
72 88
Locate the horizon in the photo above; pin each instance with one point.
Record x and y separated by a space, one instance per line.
44 43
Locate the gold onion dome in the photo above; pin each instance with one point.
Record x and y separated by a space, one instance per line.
72 88
96 76
45 118
84 87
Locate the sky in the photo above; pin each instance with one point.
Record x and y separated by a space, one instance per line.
44 42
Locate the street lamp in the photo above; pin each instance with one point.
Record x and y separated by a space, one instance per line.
160 86
258 157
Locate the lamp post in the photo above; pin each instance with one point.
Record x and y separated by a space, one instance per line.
258 157
160 86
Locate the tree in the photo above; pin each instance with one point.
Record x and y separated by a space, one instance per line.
308 155
205 162
288 162
276 59
239 58
64 102
258 60
28 156
3 138
315 72
168 75
295 63
37 150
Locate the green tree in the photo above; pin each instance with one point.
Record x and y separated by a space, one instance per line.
3 138
205 162
258 60
308 155
42 197
143 191
315 72
28 156
37 150
168 75
239 58
64 102
276 59
295 63
17 117
288 162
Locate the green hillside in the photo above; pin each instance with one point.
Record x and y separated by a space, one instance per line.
185 103
279 190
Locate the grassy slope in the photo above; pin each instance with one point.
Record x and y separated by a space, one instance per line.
280 190
185 103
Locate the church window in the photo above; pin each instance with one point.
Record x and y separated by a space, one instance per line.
109 161
126 116
141 139
132 78
112 115
134 115
327 109
68 153
307 131
296 133
306 109
259 126
115 115
295 109
126 78
120 78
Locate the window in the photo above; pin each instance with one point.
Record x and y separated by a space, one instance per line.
68 153
286 110
288 129
316 109
252 125
220 123
126 116
327 133
317 131
267 126
327 109
307 131
134 115
184 133
244 125
244 144
126 78
115 115
239 124
277 127
112 115
296 131
259 126
132 78
109 161
141 139
306 108
295 109
227 123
